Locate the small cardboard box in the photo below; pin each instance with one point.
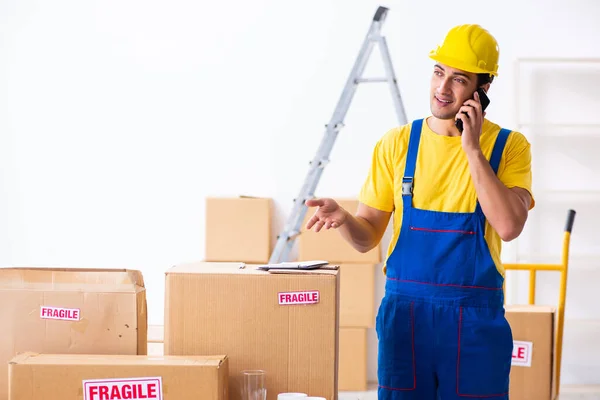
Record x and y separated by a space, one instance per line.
533 365
357 295
93 377
73 311
238 229
283 323
329 245
353 359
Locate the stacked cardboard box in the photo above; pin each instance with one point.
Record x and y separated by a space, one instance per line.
93 377
70 311
533 367
283 323
82 333
357 294
238 229
259 319
74 333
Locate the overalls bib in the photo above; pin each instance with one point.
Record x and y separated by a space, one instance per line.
441 325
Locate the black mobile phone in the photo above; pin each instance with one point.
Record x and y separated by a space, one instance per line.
485 101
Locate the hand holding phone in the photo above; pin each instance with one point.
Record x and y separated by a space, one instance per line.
485 101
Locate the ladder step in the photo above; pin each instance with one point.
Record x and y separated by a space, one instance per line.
290 235
322 163
337 127
367 80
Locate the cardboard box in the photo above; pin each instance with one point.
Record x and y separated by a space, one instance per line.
238 229
70 311
283 323
94 377
353 359
357 295
329 245
533 364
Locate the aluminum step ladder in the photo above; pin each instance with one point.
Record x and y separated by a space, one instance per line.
292 228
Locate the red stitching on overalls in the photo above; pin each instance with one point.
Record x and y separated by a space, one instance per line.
444 284
460 318
412 326
414 228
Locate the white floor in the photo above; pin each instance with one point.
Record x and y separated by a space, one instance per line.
372 395
569 393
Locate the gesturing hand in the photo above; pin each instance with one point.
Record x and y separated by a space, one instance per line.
472 117
329 214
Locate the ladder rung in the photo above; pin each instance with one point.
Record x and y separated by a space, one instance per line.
322 162
290 235
367 80
337 127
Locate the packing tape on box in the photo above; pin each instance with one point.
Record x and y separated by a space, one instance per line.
81 325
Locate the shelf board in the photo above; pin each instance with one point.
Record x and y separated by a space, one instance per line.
567 195
592 322
559 60
559 130
559 125
584 261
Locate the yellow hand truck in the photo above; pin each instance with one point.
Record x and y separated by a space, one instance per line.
563 268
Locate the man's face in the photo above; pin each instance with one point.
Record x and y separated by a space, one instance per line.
450 88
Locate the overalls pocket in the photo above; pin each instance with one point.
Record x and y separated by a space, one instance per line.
485 345
446 255
395 327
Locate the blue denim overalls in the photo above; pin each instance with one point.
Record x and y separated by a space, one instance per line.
441 325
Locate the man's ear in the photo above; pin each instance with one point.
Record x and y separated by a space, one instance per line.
486 87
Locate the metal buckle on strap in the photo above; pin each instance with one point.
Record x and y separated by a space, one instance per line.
407 186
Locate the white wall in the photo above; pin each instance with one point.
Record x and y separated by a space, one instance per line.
117 118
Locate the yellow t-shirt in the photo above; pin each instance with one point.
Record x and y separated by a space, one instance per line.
442 176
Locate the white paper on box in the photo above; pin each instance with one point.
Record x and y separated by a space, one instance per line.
522 353
60 313
125 388
304 297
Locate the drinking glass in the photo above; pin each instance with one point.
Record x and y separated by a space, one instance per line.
253 386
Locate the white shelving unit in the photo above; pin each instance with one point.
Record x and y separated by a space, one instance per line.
557 106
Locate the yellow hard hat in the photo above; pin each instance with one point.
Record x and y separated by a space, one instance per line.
469 48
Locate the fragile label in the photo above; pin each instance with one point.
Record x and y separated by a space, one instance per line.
521 355
118 389
308 297
64 314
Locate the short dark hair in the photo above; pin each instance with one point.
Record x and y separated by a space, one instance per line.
482 79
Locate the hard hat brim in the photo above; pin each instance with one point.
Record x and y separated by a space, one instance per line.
454 63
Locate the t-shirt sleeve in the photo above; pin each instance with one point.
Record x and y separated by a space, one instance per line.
517 165
378 188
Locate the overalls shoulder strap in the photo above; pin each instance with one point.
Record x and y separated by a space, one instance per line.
499 149
411 162
497 155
